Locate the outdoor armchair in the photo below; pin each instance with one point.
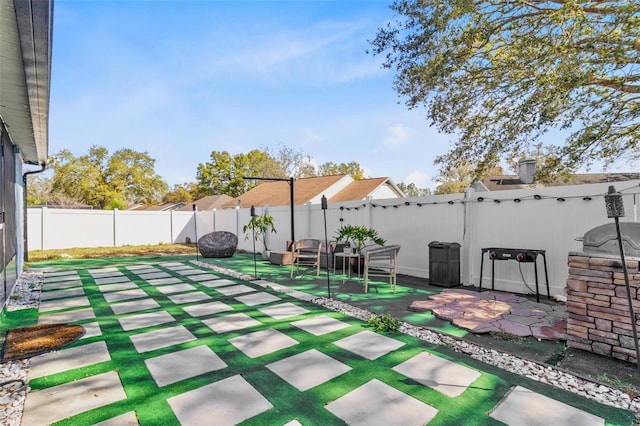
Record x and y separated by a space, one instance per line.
380 261
306 252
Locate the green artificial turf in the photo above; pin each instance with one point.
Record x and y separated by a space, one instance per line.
150 401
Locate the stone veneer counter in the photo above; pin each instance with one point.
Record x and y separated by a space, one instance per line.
598 317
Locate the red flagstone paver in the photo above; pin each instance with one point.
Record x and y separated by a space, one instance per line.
496 311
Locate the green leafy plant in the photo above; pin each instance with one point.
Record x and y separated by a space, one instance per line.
258 226
358 236
383 323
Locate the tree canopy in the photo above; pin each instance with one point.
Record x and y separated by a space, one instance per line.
107 182
499 75
225 173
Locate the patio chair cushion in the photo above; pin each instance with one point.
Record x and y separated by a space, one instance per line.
218 244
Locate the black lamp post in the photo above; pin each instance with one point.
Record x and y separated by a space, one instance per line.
615 209
253 232
290 182
326 241
195 226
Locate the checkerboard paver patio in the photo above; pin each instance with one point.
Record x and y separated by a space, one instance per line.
192 343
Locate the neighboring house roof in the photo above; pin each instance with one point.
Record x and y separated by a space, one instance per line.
209 202
501 183
25 66
277 193
336 188
162 207
136 206
363 188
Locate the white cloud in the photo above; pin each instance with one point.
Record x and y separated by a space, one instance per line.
419 179
310 138
396 136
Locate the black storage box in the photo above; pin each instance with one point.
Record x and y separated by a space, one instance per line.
444 264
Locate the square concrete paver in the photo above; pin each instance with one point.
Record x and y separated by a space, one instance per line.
524 407
121 296
283 311
72 302
203 309
175 288
262 342
191 271
91 329
189 297
171 265
440 374
376 403
231 322
163 281
217 283
146 270
145 342
126 419
99 271
203 277
145 320
139 267
236 289
368 344
308 369
112 279
68 359
153 275
180 365
257 298
117 286
134 306
67 316
59 274
57 294
50 405
320 325
235 401
61 284
178 268
58 278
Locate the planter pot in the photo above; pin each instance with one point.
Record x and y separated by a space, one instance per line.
266 254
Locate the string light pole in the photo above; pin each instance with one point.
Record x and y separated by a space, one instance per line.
253 232
326 241
195 226
615 209
290 182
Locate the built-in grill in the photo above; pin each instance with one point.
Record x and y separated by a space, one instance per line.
604 239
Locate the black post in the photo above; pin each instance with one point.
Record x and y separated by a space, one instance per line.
195 226
253 232
326 241
291 198
615 209
293 236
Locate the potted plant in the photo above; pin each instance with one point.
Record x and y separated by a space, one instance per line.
258 227
357 236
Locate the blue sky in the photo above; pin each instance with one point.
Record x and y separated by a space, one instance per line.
179 79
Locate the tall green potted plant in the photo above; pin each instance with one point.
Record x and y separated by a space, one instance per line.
258 227
357 236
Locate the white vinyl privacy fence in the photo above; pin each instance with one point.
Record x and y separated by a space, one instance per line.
550 219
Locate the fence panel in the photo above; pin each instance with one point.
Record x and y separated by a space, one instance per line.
543 222
141 228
